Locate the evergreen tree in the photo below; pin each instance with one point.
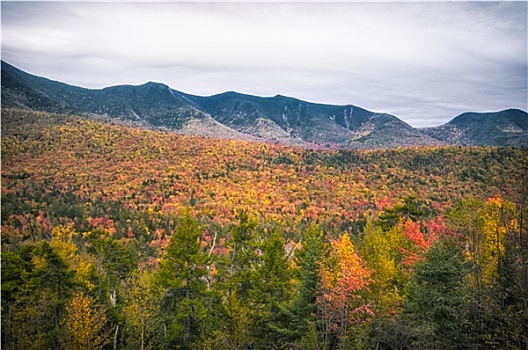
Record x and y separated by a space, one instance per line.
34 304
114 264
400 212
236 279
182 272
437 305
242 259
272 287
511 330
300 315
15 266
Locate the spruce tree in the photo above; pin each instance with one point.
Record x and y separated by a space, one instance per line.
272 287
182 272
299 316
437 307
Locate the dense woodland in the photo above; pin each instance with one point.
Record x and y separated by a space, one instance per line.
115 237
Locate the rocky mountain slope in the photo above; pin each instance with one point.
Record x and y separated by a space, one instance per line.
508 127
279 119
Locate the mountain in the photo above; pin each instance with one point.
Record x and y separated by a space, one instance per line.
150 105
232 115
26 91
282 118
504 128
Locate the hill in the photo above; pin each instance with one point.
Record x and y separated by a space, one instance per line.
141 169
508 127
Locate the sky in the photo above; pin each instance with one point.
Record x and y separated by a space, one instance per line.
425 62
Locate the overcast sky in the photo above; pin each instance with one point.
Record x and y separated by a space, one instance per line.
425 62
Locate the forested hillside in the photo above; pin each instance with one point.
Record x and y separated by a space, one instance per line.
115 237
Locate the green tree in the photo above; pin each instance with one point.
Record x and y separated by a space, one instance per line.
409 209
299 316
511 331
95 245
114 264
182 275
16 265
243 258
235 282
34 304
272 287
437 305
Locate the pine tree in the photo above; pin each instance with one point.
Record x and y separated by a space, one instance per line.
35 303
114 264
300 315
437 305
400 212
271 288
182 272
235 282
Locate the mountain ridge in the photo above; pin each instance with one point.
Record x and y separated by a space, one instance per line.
279 119
508 127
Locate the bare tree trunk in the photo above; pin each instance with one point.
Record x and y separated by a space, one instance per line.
99 276
115 337
232 260
142 334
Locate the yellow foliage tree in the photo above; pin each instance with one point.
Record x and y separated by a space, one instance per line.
485 226
380 251
80 262
85 324
142 310
496 219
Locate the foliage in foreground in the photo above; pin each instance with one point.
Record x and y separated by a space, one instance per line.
118 238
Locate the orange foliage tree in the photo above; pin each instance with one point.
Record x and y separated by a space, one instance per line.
341 304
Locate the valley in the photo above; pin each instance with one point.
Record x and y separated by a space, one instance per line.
248 244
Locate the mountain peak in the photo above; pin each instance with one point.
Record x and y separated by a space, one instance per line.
505 128
278 119
153 84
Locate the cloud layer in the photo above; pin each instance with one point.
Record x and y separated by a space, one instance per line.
424 62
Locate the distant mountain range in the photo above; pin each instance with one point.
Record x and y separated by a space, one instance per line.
278 119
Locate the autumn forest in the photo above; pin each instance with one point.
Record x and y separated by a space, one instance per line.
115 237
